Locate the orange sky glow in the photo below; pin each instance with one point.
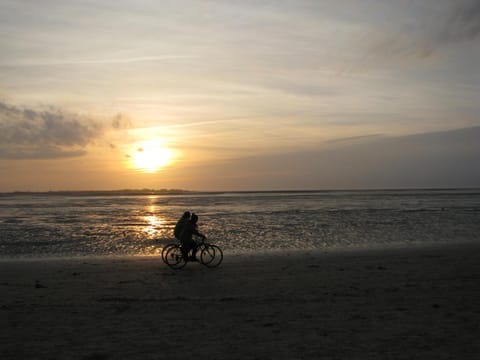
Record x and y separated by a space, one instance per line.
251 95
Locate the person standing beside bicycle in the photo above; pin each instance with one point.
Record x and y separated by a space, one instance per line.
190 228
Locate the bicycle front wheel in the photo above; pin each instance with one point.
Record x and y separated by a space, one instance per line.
211 256
174 257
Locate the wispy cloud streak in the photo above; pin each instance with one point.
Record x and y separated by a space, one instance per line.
77 62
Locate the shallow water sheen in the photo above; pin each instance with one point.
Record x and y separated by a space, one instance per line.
54 225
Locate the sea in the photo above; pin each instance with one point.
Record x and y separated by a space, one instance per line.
39 225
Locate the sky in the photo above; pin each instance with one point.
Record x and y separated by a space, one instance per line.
245 95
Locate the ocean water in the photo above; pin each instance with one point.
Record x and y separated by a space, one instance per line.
46 225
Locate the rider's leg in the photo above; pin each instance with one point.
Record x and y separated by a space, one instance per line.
194 250
185 249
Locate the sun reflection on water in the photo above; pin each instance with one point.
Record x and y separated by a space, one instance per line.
153 221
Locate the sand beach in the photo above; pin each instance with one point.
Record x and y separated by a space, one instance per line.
421 303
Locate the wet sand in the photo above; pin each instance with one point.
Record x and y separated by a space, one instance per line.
422 303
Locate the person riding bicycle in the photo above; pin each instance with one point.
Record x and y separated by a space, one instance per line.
177 232
190 228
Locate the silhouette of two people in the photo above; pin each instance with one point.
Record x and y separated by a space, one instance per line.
184 230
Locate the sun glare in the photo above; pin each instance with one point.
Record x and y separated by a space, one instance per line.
151 156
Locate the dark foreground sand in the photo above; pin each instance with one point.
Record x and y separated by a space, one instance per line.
395 304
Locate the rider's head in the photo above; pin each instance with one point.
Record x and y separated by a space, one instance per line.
194 218
186 215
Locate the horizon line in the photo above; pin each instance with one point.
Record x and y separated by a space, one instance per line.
147 191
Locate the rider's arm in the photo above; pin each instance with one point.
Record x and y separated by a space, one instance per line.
196 232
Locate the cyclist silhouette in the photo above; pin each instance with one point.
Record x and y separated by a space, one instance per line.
190 228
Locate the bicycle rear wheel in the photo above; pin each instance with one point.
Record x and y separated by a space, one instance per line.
174 257
211 256
165 250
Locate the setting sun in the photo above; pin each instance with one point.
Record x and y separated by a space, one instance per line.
151 156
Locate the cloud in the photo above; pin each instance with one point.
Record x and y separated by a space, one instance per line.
305 87
435 24
112 61
27 133
38 152
121 121
440 159
462 22
353 139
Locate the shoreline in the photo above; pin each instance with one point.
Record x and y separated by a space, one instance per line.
346 250
377 304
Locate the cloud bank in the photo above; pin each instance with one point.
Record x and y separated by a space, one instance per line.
432 160
26 133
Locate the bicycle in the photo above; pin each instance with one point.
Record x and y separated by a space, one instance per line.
210 255
165 250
